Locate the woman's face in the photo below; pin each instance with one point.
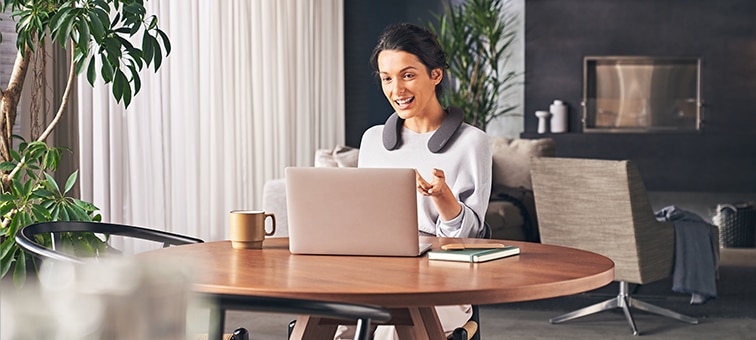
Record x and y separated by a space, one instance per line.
407 84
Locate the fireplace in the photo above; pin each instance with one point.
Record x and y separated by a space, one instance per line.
641 94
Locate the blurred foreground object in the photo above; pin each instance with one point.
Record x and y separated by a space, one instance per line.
113 298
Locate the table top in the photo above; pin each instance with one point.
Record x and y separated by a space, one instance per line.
539 272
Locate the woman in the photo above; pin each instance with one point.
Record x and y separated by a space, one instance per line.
453 179
452 159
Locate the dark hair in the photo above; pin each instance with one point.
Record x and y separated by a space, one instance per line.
415 40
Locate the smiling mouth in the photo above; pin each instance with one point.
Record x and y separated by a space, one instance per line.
404 102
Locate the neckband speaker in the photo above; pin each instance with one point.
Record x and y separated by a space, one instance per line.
392 131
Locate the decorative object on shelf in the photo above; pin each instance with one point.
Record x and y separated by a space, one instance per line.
543 121
558 116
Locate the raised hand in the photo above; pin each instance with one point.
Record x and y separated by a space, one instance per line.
439 191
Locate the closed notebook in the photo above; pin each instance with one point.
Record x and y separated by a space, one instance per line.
473 255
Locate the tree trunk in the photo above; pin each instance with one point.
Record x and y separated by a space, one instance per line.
9 102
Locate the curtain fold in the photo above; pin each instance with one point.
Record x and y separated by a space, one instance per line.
250 87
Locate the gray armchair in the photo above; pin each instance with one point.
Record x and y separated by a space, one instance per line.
602 206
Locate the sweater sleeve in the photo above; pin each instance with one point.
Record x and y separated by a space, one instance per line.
472 188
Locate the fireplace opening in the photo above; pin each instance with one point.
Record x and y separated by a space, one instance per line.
641 94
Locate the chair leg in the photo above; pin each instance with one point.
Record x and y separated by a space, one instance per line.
363 329
645 306
292 324
624 301
471 329
460 334
585 311
240 334
476 318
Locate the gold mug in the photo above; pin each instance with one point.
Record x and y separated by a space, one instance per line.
247 228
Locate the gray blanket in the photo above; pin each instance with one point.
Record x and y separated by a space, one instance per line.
695 269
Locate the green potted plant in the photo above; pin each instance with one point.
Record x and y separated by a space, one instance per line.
34 195
478 37
98 35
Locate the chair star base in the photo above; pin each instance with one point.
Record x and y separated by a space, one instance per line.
625 301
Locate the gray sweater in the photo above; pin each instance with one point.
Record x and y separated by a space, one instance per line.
466 162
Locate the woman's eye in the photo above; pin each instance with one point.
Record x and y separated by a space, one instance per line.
408 76
385 79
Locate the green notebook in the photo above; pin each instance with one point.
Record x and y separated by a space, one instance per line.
473 255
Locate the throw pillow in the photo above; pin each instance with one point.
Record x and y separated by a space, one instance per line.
339 157
511 159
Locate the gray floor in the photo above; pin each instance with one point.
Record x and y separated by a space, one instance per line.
504 323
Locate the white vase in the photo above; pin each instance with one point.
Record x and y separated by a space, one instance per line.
558 117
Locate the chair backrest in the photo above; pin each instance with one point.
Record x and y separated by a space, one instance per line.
25 238
602 206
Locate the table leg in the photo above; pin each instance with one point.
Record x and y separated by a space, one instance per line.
425 325
310 328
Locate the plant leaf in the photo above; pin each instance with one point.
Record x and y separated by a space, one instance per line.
147 50
65 30
166 42
84 37
52 184
91 72
107 69
7 259
7 166
96 26
71 181
19 273
119 83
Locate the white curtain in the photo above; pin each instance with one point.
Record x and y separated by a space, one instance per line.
249 88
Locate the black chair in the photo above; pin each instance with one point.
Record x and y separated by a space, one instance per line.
26 240
363 314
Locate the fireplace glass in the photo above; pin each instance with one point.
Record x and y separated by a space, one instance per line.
641 94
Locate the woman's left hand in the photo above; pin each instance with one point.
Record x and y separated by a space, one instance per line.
438 190
436 186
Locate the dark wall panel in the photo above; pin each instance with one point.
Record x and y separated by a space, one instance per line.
364 20
721 157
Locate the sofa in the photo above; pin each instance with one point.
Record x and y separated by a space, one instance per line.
511 209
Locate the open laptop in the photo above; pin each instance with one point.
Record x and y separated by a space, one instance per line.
352 211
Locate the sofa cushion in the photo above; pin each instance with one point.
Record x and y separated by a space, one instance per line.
511 159
338 157
511 176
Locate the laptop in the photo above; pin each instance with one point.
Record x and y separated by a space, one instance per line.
352 211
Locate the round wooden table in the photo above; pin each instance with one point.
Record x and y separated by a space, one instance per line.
409 286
